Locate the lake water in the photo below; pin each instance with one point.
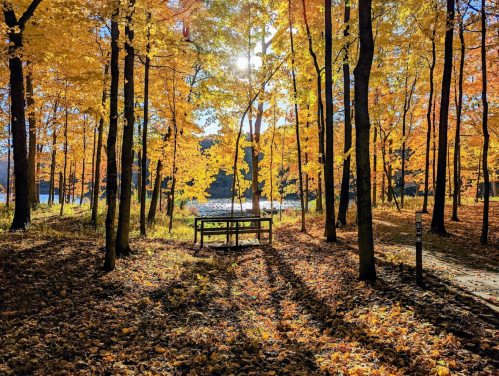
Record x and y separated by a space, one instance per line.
214 206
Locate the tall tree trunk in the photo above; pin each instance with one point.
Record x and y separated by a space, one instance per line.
375 163
407 106
52 168
389 175
428 134
174 167
345 181
123 233
329 167
320 110
65 148
155 193
457 140
98 154
93 170
61 196
297 122
7 199
84 159
112 171
30 101
38 172
143 158
22 212
255 145
367 268
485 162
437 223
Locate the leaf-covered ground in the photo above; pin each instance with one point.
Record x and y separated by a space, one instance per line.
295 308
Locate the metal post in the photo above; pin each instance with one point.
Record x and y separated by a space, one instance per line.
419 249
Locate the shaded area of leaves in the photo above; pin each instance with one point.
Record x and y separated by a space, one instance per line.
296 308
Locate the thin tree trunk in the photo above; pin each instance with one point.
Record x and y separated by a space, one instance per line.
98 156
407 106
174 167
367 268
84 159
65 148
457 140
485 163
428 134
38 172
389 175
320 110
155 194
143 157
31 139
437 223
8 168
300 175
330 229
271 165
123 233
112 171
345 181
375 163
93 171
52 169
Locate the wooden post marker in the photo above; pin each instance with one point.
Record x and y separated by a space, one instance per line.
419 248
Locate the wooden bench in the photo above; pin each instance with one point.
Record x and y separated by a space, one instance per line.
232 226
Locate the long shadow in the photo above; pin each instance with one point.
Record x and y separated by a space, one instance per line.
303 352
329 320
456 312
212 306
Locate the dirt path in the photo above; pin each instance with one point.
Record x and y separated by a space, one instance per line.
462 261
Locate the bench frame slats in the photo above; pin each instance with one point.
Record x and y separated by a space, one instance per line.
255 227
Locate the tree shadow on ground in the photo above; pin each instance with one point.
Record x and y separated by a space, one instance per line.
447 307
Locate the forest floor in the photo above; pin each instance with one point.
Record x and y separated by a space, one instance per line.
295 308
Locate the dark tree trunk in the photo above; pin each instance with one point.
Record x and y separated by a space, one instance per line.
171 196
22 214
320 110
389 175
65 149
329 167
112 171
428 133
143 158
457 140
123 233
61 196
297 122
407 106
98 156
30 101
155 194
485 162
84 160
38 172
375 163
367 268
52 169
345 181
437 223
8 168
93 171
